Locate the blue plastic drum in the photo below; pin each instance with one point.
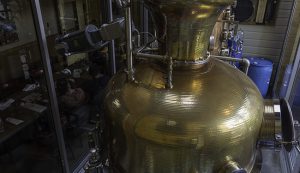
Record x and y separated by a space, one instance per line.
260 71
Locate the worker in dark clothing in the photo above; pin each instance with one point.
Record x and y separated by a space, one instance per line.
96 86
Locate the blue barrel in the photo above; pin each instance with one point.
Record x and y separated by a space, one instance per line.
285 81
260 71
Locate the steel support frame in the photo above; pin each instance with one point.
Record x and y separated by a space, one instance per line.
111 47
144 22
129 51
42 40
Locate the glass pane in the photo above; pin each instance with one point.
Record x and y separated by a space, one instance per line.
81 75
290 57
288 54
27 137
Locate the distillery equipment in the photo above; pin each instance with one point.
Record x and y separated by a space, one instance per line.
181 110
177 109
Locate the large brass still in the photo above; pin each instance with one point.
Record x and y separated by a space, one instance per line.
207 121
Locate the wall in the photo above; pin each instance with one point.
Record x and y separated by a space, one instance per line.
292 41
267 40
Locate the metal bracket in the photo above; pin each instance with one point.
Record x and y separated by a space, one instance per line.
169 60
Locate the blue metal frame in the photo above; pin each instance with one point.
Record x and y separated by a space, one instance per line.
289 96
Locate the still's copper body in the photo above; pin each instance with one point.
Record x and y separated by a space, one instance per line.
208 122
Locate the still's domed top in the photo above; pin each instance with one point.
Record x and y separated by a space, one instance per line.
212 113
212 100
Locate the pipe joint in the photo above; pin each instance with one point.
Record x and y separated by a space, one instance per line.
246 64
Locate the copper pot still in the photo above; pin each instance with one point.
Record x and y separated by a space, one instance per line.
208 121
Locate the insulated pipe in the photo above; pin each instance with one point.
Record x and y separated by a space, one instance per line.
130 70
244 61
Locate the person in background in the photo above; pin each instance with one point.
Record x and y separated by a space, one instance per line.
96 87
69 96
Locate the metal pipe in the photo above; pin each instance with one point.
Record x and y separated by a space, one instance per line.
227 58
41 35
246 65
111 47
244 61
129 57
144 21
138 40
152 56
150 49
